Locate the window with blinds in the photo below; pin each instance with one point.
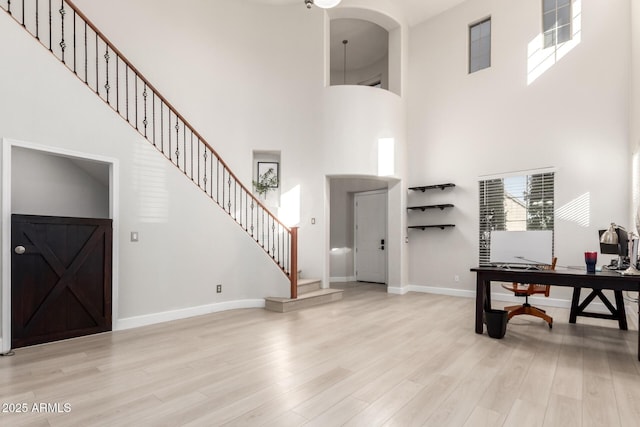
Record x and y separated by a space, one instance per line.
515 203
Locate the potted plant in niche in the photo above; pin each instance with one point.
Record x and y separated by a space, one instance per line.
267 178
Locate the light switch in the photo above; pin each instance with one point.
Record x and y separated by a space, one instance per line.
313 221
134 236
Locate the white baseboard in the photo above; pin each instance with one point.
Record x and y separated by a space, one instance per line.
397 290
342 279
166 316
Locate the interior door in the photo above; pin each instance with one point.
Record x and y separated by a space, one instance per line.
60 278
371 236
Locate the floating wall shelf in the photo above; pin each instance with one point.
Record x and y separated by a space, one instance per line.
425 207
432 187
424 227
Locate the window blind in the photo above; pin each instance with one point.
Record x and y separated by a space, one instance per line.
514 203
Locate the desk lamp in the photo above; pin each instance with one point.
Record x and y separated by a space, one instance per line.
610 237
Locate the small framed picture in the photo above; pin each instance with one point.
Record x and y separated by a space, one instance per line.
269 174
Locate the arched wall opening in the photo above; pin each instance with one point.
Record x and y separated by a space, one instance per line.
373 49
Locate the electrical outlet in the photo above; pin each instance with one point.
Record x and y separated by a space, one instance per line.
219 289
456 278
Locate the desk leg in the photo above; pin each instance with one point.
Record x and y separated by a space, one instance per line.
480 297
620 310
575 301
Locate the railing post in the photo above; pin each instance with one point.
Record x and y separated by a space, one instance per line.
293 275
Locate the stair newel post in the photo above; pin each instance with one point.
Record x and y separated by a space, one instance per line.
293 275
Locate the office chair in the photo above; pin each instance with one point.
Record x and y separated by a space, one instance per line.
524 290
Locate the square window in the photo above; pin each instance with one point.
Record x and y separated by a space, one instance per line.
556 22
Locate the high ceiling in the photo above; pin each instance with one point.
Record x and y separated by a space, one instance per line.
415 11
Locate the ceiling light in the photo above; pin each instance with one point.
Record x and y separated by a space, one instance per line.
324 4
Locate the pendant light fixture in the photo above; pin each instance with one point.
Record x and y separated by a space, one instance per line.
344 78
324 4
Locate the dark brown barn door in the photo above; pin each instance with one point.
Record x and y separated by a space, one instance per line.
60 278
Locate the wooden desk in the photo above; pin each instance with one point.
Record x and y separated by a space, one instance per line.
571 278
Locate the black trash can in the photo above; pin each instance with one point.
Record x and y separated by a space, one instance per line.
496 321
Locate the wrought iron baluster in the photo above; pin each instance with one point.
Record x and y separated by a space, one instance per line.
191 156
74 43
62 12
97 68
229 184
205 169
106 66
273 235
177 142
145 122
50 38
37 19
23 13
198 162
9 7
252 208
86 63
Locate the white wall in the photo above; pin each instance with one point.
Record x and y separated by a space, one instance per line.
187 243
574 117
44 184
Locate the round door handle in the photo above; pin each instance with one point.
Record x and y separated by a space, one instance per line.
19 250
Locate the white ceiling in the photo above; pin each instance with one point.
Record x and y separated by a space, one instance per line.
415 11
368 43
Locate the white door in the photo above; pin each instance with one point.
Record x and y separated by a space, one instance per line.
371 236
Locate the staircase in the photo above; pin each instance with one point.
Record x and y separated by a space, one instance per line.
309 295
78 44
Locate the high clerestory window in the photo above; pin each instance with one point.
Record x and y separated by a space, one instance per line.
480 45
556 21
514 203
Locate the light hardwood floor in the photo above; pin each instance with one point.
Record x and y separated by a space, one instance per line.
371 359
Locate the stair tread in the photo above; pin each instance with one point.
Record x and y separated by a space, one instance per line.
307 295
302 282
